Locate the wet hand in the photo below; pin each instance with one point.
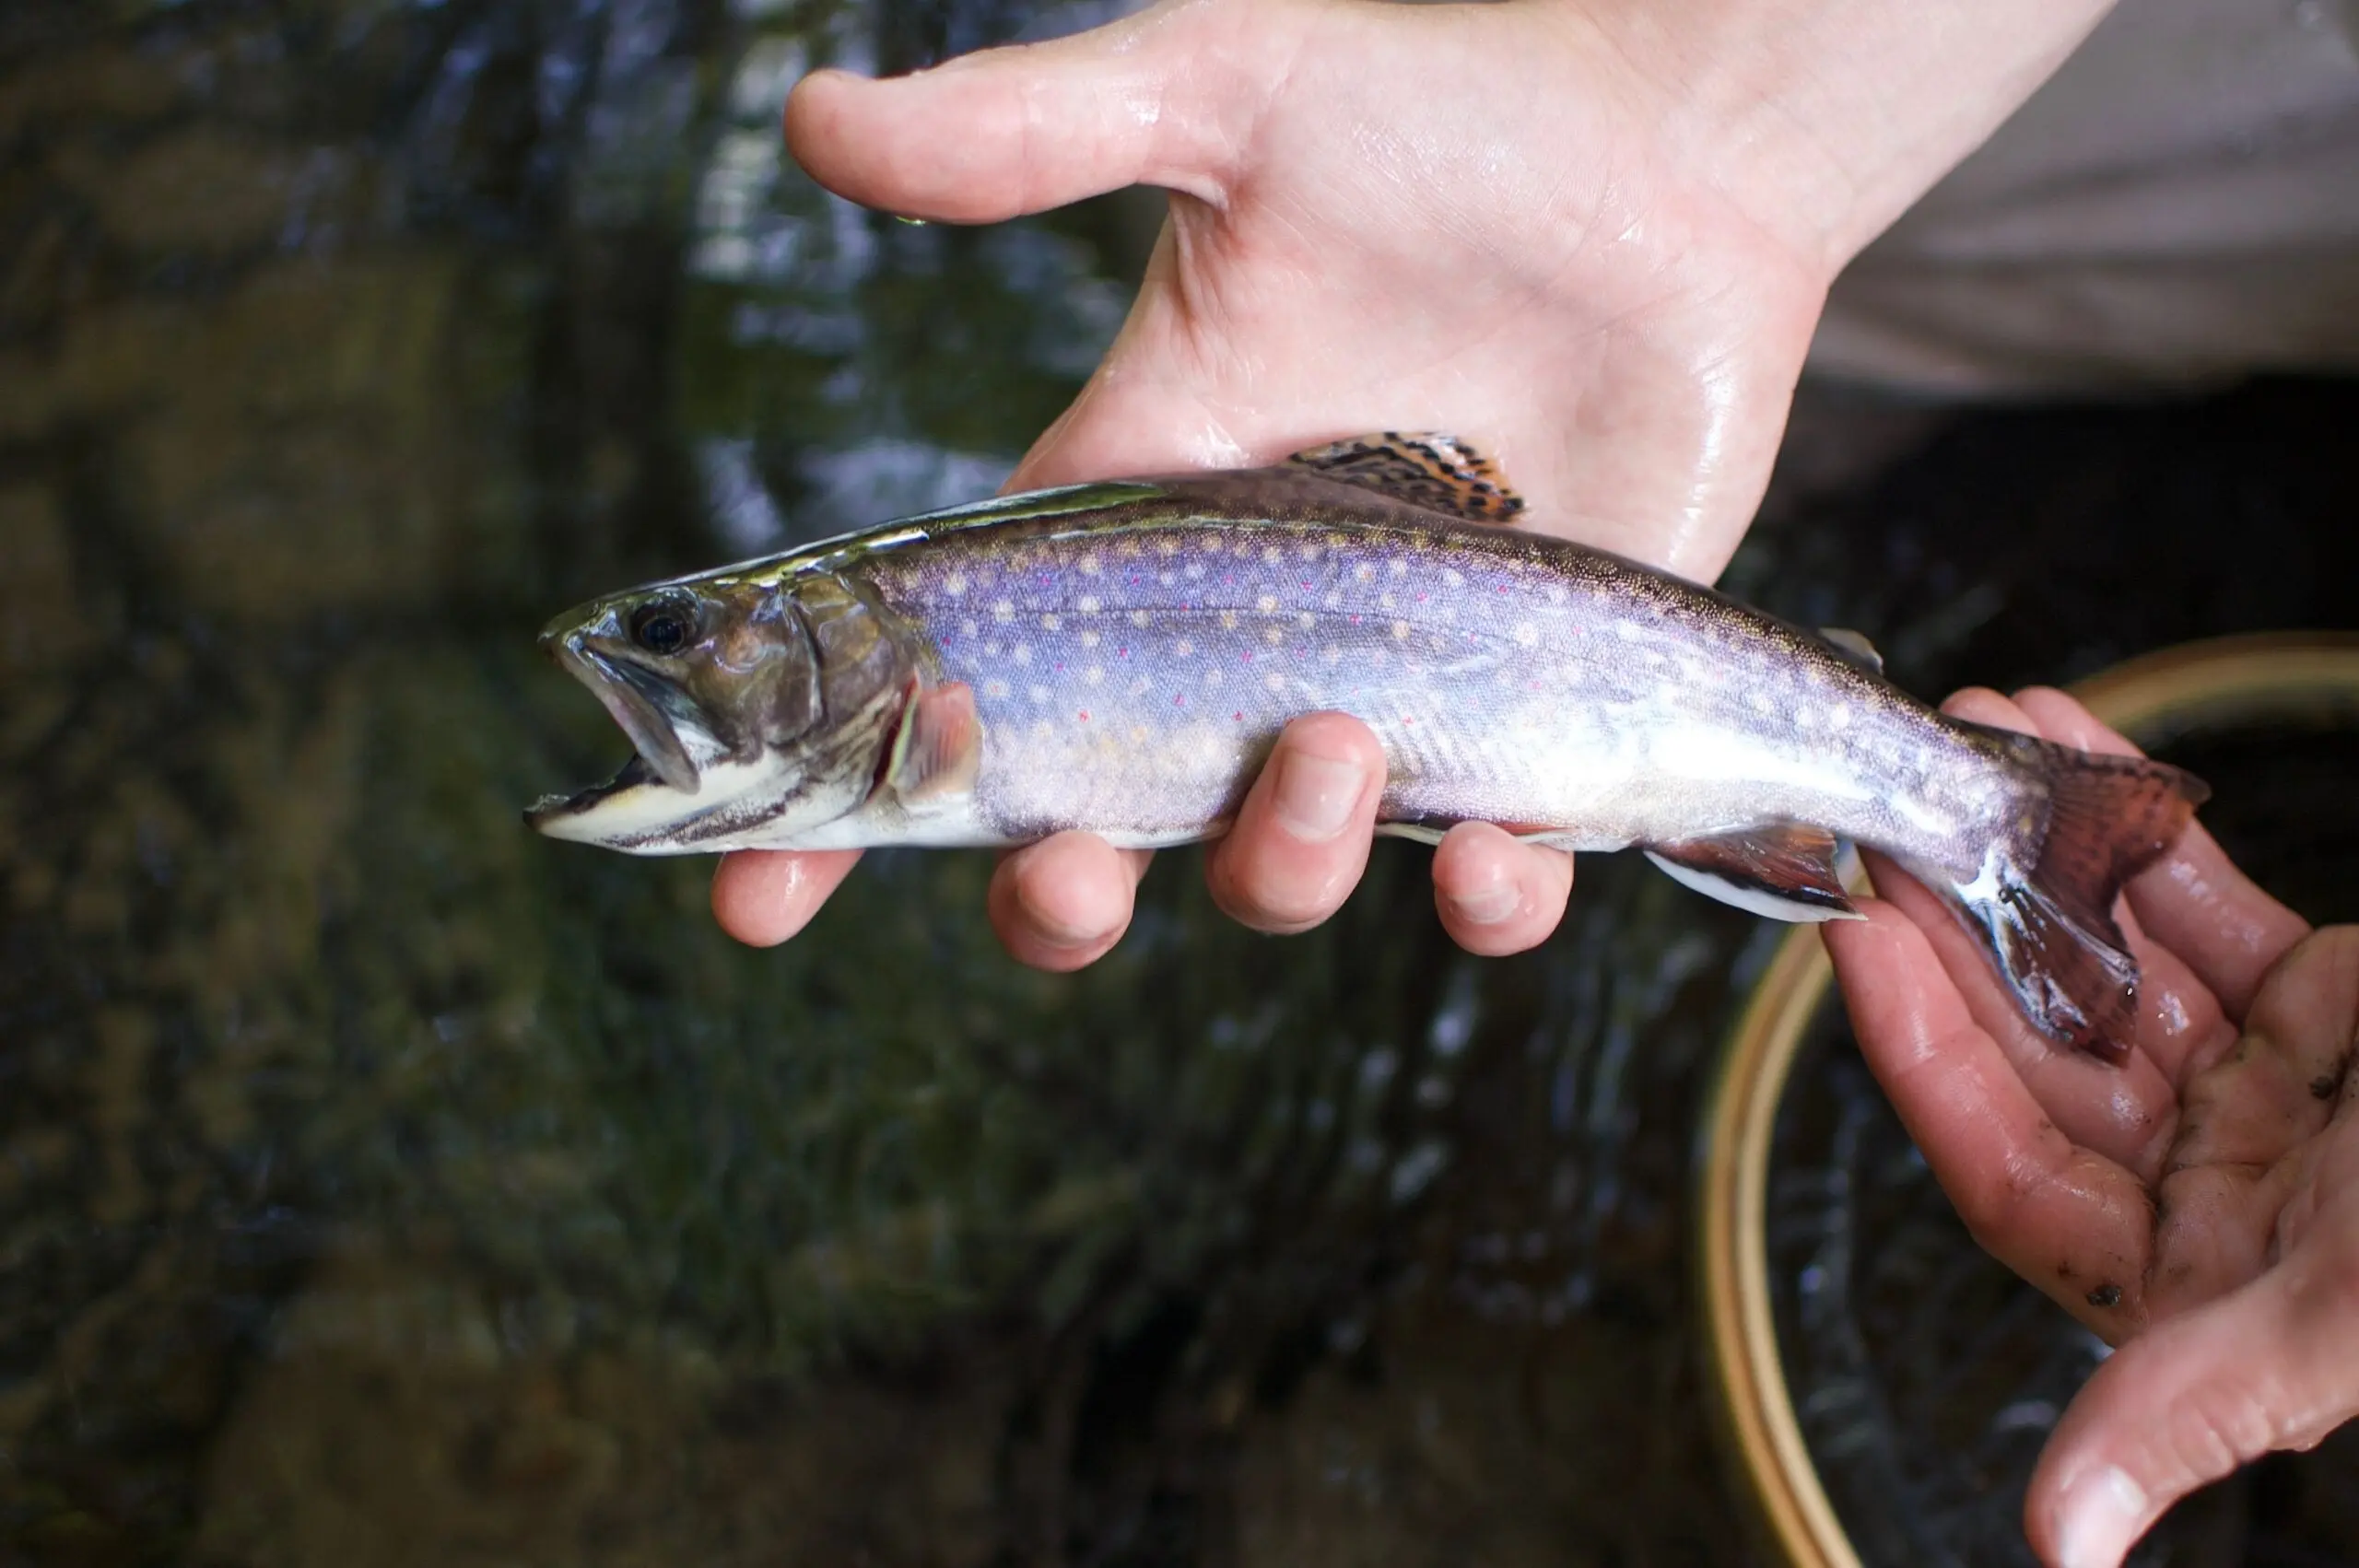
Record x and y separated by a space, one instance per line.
1591 238
2198 1207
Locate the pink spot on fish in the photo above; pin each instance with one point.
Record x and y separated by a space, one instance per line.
1084 715
1239 715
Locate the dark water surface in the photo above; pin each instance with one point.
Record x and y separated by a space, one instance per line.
379 1184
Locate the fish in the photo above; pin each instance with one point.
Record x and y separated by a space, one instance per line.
1120 657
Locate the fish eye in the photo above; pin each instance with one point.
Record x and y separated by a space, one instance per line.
660 629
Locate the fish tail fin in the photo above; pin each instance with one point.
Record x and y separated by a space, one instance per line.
2050 927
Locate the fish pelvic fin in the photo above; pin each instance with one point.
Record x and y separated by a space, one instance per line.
2050 930
1785 872
1438 473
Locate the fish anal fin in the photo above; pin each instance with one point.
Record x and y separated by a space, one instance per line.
938 750
1786 871
1438 473
1854 646
2050 928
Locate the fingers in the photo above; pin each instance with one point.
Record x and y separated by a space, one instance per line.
764 897
1154 99
2072 1222
1497 897
1301 838
1062 903
2273 1365
2193 901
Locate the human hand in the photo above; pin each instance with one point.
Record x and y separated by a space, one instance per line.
2198 1207
1591 237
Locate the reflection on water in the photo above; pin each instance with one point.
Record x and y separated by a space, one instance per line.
379 1181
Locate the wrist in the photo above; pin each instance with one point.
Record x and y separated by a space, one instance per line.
1825 119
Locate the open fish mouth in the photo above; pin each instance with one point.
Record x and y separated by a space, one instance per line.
639 703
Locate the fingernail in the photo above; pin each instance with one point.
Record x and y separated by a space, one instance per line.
1316 797
1488 906
2103 1512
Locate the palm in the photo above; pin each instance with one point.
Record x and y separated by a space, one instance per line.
1404 236
2199 1204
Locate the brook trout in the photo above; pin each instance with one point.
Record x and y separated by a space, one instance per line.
1120 657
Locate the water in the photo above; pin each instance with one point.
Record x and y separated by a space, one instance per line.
379 1182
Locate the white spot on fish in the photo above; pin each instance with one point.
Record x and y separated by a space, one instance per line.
1003 610
1040 694
1273 635
1267 604
1138 617
1527 634
1306 620
1400 569
1183 648
1138 687
1023 654
1093 674
1212 678
1088 606
1272 555
1228 620
1194 568
1166 547
1275 683
996 689
1400 631
1364 572
1089 565
1088 637
1840 718
970 627
954 584
1449 576
1051 623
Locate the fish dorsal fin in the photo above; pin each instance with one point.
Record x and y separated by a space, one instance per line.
1786 872
938 749
1440 473
1855 647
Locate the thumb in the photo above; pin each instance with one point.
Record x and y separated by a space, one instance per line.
2271 1366
1160 98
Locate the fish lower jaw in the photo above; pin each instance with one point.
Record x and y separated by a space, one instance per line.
641 814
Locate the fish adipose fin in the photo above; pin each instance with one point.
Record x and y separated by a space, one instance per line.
1440 473
1855 647
2051 932
1785 872
938 749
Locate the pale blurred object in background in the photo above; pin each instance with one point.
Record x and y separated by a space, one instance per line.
2179 202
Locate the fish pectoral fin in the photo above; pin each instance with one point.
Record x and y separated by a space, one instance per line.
1440 473
1417 832
1855 647
1786 872
938 749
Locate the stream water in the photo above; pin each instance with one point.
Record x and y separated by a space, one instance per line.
382 1183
